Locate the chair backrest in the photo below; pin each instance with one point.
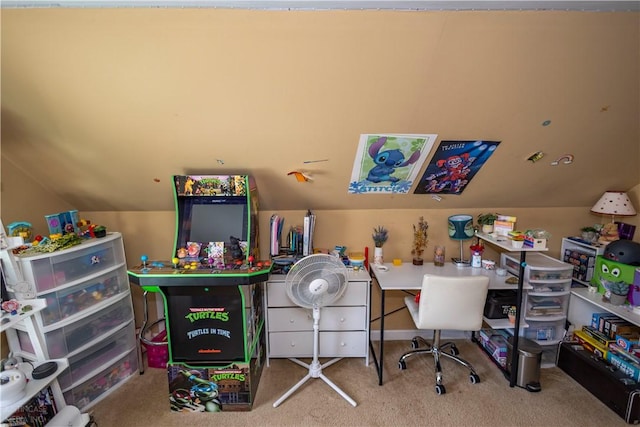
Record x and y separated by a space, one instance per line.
453 303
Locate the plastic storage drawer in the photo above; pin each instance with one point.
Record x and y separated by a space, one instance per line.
92 256
64 340
563 286
549 355
547 305
97 386
75 299
543 331
96 357
538 267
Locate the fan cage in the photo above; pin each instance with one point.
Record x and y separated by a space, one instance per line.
317 266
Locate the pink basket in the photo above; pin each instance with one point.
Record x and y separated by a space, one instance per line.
157 351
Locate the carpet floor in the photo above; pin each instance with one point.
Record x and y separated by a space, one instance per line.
407 398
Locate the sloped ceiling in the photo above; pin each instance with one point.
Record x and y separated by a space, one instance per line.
101 107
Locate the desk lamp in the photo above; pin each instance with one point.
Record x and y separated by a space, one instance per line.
461 228
613 203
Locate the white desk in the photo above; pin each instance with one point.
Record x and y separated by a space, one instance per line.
409 277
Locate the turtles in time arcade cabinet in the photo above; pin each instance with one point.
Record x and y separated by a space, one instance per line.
213 292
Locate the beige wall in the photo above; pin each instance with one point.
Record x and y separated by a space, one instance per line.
152 233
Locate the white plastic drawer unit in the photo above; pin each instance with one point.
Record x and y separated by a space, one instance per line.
52 270
73 335
86 363
85 295
539 267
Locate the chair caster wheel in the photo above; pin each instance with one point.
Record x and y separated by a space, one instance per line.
474 378
454 350
440 389
415 344
402 365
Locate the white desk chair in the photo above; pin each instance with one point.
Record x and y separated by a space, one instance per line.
447 303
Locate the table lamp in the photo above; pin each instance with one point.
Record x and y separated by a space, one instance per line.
613 203
461 228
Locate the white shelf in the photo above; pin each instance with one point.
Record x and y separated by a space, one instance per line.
13 319
504 243
503 323
623 311
33 387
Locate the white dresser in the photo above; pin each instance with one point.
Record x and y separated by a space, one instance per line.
344 325
88 317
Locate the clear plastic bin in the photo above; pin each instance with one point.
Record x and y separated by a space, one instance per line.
63 341
74 300
546 305
98 386
49 271
542 330
95 357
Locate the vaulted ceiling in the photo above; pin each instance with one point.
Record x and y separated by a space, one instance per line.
101 107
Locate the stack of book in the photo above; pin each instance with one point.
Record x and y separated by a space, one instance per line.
504 224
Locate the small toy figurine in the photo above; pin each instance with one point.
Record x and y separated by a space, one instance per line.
181 253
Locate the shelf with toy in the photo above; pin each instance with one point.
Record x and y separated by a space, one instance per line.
503 242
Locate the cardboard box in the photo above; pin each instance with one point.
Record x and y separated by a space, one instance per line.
632 370
502 228
535 243
591 344
627 342
595 318
583 263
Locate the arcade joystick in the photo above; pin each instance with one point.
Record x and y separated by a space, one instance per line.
144 260
175 262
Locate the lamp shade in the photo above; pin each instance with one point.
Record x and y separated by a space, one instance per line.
614 203
461 227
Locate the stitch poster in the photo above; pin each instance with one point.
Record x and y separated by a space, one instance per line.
389 163
453 165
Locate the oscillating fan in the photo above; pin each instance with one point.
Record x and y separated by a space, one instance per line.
313 282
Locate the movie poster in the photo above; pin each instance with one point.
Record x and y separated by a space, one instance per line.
389 163
453 165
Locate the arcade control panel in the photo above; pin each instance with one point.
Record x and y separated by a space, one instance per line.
179 272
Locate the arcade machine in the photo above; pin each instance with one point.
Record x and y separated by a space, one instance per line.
212 290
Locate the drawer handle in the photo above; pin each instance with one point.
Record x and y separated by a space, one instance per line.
342 320
293 344
292 321
342 344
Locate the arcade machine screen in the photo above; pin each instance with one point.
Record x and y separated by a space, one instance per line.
216 218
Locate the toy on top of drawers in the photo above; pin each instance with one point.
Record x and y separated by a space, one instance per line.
46 271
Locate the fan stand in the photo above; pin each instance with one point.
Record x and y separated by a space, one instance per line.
315 368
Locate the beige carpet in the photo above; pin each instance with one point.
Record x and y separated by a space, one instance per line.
407 398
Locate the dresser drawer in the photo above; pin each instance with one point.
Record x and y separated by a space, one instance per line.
331 319
48 271
332 344
355 294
